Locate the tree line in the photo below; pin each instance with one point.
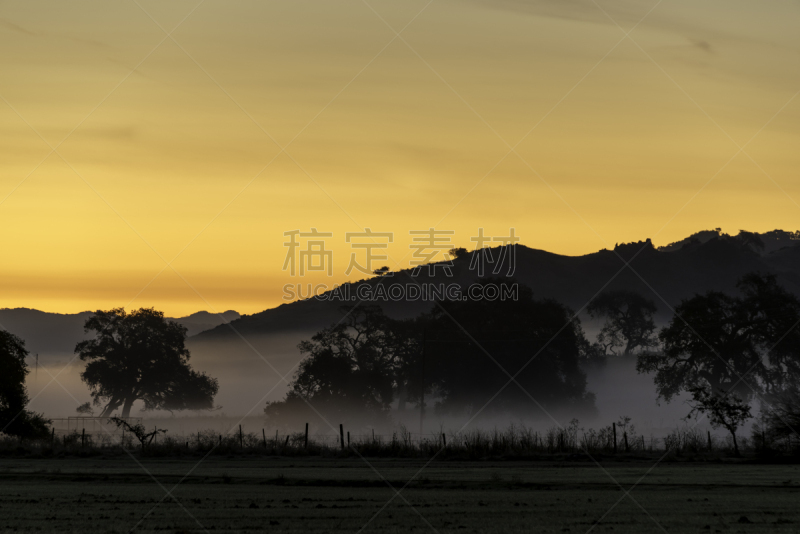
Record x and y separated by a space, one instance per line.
460 354
464 357
723 351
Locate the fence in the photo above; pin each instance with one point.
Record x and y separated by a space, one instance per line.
96 431
91 426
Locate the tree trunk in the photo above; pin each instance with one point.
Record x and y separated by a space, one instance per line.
112 405
735 445
126 409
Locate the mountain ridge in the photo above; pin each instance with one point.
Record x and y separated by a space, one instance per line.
664 275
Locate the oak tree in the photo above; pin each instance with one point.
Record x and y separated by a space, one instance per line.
747 343
14 418
141 356
722 408
629 321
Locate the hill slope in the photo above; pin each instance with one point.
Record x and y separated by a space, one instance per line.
665 276
55 334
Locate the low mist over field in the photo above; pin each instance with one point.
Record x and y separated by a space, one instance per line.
244 385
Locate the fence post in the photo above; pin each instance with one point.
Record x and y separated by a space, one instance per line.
305 445
264 435
276 439
444 440
614 428
286 443
83 437
341 435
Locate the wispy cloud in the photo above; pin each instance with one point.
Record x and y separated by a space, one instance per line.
16 27
702 45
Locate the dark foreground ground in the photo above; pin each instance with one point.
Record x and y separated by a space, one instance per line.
333 495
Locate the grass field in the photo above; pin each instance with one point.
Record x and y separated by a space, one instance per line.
247 494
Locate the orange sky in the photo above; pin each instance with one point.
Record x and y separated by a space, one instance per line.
171 150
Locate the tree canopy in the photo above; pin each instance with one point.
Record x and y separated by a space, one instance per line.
359 366
740 344
722 409
351 367
14 418
629 321
141 356
472 346
781 417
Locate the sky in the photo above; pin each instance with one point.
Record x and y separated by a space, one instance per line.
155 153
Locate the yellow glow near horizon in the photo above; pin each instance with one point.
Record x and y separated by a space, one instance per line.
613 142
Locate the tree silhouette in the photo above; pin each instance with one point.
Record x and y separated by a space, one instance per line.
85 409
739 343
750 239
538 341
141 356
457 252
781 416
351 367
629 321
145 438
15 420
722 408
358 367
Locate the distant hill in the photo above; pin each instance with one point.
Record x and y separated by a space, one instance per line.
706 261
203 320
55 334
43 332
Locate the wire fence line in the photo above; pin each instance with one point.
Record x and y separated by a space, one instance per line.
89 425
513 441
